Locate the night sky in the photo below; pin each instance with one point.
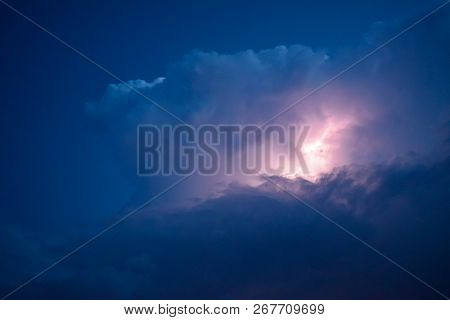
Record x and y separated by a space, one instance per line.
379 150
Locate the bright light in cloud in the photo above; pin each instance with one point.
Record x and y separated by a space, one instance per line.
325 147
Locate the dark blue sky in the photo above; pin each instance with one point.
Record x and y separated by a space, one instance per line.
61 179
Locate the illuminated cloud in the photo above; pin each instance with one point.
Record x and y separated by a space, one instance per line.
391 106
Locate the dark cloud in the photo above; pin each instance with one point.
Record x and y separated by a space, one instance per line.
261 243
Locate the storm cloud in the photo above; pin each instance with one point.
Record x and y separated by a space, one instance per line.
385 126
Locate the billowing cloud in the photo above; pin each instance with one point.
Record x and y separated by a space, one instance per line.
393 106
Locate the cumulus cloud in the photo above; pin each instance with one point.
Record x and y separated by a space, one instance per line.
394 104
383 125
